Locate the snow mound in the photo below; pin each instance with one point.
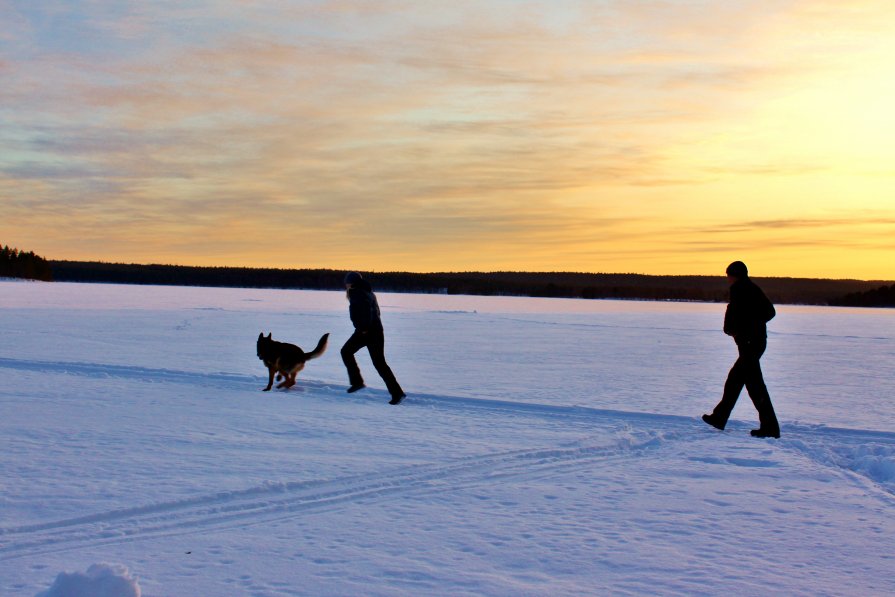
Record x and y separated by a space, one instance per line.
101 580
874 462
866 453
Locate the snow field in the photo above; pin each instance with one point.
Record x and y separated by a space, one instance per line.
546 448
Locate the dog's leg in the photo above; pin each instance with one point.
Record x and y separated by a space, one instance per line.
269 379
290 381
294 374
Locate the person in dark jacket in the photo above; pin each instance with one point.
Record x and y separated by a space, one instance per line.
364 312
746 320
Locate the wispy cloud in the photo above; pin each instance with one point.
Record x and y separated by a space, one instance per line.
403 135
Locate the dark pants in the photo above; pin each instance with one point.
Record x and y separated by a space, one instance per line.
374 340
746 371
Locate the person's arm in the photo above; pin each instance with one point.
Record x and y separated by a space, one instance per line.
769 311
733 317
359 310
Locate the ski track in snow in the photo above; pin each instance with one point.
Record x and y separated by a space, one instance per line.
145 374
655 328
866 455
275 501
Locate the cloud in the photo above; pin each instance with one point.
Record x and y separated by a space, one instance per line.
397 129
876 219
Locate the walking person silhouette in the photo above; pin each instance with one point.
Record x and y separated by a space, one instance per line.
364 312
746 320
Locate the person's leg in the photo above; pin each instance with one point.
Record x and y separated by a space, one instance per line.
757 389
376 346
736 379
354 343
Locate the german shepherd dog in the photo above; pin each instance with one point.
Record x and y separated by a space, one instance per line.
284 359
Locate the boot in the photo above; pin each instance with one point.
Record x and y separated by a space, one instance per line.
775 433
713 422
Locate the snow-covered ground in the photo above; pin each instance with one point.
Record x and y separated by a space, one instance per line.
547 447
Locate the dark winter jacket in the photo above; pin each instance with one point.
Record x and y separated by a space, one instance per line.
363 307
748 313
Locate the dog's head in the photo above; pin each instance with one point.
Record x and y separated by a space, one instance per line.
263 343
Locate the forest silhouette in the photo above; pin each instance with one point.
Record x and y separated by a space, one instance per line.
15 263
805 291
19 264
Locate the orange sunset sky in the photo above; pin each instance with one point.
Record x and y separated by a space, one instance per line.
658 137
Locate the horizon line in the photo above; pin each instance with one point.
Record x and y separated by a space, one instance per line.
455 272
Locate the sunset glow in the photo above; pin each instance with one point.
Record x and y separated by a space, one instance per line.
663 137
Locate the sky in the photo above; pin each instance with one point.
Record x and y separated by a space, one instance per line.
656 137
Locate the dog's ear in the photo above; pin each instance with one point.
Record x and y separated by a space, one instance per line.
269 335
261 335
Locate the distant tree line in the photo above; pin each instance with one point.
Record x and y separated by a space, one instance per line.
883 296
19 264
539 284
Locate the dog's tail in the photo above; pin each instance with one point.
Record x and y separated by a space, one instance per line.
320 349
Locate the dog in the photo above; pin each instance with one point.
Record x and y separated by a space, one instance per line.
284 359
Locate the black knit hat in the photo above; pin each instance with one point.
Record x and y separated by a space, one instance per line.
737 269
352 278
